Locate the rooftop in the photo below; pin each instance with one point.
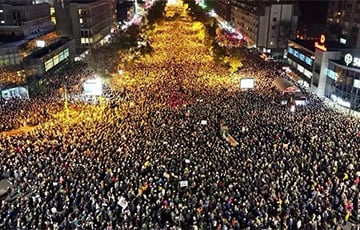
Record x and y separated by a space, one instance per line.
48 49
310 44
12 44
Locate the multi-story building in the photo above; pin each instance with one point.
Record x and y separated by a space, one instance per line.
21 19
13 53
223 9
344 17
45 59
267 25
328 68
86 21
29 46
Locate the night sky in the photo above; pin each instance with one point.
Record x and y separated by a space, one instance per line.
313 16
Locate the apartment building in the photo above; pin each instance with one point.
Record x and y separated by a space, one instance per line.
21 19
267 25
343 18
86 21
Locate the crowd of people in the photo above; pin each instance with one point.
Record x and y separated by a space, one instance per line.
10 78
47 101
152 156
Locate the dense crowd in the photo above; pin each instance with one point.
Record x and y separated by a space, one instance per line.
9 78
145 160
47 101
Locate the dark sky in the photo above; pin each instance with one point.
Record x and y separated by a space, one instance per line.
312 17
313 11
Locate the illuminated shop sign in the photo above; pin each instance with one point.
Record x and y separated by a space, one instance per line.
321 45
307 73
300 56
350 59
331 74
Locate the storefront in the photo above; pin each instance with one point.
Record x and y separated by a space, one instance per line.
300 57
47 58
330 68
15 92
343 80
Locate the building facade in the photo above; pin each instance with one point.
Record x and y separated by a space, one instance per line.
20 19
44 60
301 58
343 18
223 9
267 25
87 22
329 69
343 80
13 53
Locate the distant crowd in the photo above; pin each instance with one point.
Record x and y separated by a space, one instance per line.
144 160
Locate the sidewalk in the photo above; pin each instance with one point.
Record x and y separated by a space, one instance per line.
345 111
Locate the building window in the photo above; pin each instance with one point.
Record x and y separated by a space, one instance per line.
1 11
81 21
317 68
2 22
86 41
273 27
274 19
82 12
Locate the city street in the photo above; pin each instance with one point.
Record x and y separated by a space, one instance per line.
174 143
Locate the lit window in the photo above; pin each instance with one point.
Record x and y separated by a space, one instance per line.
2 22
1 11
81 12
81 21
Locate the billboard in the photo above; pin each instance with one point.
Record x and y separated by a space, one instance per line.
16 92
93 87
247 83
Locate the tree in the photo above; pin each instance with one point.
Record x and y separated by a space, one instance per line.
156 12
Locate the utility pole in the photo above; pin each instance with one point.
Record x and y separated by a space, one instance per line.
66 104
